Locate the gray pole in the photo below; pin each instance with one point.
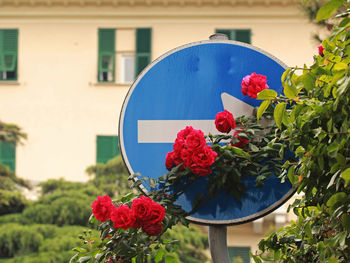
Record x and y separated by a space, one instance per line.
218 234
218 245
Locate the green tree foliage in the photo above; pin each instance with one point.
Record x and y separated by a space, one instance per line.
11 199
11 202
191 244
111 178
315 125
38 243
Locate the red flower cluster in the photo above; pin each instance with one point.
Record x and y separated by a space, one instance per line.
253 84
242 142
224 121
191 149
144 213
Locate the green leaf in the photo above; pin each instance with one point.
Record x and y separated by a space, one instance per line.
290 91
340 66
84 259
159 256
262 108
337 197
309 81
170 259
267 94
328 9
284 75
346 174
345 221
332 260
278 113
291 175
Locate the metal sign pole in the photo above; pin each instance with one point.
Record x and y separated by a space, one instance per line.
217 235
217 243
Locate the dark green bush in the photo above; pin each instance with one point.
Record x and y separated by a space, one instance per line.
11 202
64 208
18 239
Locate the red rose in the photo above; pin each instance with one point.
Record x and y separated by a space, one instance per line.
200 170
241 143
142 208
204 157
157 214
320 50
152 229
102 207
183 133
195 139
186 156
169 160
179 144
253 84
123 217
224 121
173 159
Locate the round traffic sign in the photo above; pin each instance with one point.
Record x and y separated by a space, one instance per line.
188 86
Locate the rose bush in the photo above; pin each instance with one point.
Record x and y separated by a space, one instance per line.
224 157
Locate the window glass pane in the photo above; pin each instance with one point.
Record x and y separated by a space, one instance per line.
129 69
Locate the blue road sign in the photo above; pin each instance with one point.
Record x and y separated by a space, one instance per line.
189 86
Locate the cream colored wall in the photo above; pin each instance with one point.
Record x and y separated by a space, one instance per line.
57 100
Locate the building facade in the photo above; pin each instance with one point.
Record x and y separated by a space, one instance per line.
66 66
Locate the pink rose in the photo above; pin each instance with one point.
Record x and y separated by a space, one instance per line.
320 50
204 157
195 139
241 143
224 121
123 217
102 208
253 84
152 229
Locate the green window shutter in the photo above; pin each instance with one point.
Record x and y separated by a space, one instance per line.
227 32
107 148
8 155
143 49
106 55
239 254
243 36
8 54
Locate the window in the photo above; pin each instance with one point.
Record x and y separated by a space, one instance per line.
8 154
8 54
123 53
239 254
107 148
243 35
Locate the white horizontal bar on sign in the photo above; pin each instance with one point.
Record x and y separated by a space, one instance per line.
165 131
